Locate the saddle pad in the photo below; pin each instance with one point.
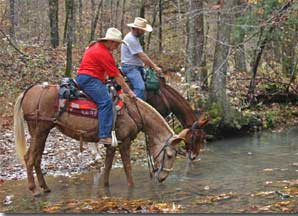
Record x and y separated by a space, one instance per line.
85 107
82 107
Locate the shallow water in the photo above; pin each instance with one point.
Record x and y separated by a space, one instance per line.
239 167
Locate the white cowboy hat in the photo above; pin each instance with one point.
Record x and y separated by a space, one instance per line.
113 34
141 23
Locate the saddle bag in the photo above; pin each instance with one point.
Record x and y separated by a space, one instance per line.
151 81
69 89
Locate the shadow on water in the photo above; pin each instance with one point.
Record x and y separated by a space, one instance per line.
240 167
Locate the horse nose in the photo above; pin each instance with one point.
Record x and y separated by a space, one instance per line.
192 156
161 176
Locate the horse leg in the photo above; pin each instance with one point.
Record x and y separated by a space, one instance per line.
110 153
124 148
40 177
33 157
29 167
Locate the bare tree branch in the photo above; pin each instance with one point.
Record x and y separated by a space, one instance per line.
12 44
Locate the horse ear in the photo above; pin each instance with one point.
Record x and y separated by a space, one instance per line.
202 123
203 120
176 140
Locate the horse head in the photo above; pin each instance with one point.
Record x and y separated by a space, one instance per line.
165 157
195 137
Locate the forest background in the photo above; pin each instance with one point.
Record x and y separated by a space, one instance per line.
234 59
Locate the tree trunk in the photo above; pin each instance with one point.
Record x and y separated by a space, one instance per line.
122 15
142 14
80 9
70 35
94 22
12 20
258 53
288 50
80 14
160 26
73 21
240 59
221 55
257 58
111 13
195 42
53 16
102 24
153 23
92 12
116 14
66 22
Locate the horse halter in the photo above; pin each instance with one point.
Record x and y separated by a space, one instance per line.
152 168
193 139
193 131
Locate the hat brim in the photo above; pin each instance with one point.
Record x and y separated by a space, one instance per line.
119 41
148 27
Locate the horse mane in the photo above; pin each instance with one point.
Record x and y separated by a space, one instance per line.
154 111
180 102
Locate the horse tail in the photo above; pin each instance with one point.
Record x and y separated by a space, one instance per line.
19 128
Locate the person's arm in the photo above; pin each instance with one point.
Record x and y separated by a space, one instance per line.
145 58
120 80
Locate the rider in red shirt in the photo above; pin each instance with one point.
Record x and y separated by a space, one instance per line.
98 62
96 66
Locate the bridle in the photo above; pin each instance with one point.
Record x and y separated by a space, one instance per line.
193 131
193 139
152 168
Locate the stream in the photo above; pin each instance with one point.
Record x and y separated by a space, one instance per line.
247 174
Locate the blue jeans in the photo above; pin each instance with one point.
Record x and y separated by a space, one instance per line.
135 76
98 92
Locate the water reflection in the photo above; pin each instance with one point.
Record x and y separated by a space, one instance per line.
235 166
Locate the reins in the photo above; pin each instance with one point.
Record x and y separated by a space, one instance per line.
149 157
151 167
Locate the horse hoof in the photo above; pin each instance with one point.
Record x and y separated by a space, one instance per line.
130 185
36 194
47 190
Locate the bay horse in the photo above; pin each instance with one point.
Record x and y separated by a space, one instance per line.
37 106
168 100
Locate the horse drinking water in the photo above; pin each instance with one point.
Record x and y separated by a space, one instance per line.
168 100
37 106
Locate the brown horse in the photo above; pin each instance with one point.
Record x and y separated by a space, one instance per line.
37 107
168 100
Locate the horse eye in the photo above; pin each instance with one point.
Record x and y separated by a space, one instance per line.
170 153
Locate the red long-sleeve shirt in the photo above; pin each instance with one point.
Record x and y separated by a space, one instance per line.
98 62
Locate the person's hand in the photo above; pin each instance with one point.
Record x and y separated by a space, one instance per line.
131 94
158 70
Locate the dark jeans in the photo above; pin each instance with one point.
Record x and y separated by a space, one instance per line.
98 92
135 76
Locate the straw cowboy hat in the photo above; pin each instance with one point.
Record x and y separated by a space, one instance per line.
113 34
141 23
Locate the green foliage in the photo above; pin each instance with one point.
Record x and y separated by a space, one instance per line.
271 87
271 118
215 112
234 118
259 13
202 102
238 119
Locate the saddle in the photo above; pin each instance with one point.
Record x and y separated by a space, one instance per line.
150 78
73 100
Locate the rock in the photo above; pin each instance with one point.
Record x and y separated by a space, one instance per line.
8 200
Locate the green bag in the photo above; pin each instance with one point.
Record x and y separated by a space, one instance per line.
151 80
